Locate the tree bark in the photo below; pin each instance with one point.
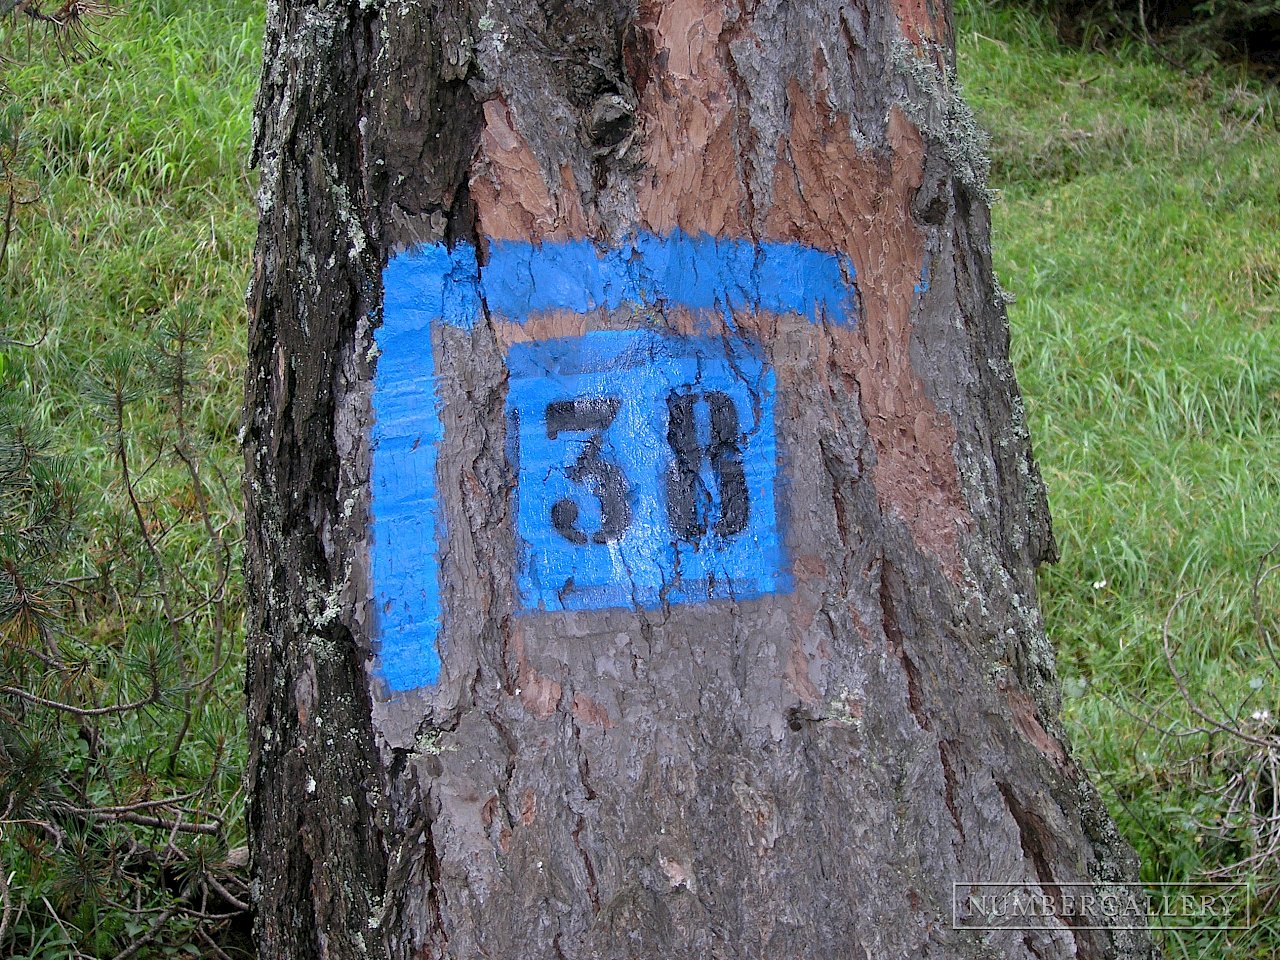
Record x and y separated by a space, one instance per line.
642 518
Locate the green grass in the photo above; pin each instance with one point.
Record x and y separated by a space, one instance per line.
1140 232
146 218
147 210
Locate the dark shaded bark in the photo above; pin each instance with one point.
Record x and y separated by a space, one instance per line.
799 774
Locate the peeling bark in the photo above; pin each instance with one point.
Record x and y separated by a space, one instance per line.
800 773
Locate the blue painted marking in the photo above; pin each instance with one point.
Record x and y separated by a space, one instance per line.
922 286
434 285
699 273
406 434
649 563
430 284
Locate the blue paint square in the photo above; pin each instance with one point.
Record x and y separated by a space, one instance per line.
647 466
689 423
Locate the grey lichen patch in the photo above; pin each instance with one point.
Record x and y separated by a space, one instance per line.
348 216
377 912
491 31
268 181
846 707
935 103
1002 298
322 606
431 743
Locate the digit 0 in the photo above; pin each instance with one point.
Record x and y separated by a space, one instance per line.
689 503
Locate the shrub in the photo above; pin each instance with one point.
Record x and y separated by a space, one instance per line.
1187 31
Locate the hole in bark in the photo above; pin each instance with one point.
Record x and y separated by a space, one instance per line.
935 211
611 120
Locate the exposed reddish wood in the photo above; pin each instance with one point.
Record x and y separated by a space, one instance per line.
1026 719
513 196
528 807
693 178
539 693
549 325
827 193
919 23
800 670
832 195
587 711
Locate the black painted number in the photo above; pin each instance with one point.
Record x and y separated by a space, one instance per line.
604 479
689 502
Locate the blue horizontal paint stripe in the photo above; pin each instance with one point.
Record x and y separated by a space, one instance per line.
519 280
428 283
699 273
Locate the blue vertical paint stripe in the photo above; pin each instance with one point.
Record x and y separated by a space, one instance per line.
406 435
428 284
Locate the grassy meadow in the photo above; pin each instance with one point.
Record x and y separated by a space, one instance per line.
142 236
1138 227
1139 230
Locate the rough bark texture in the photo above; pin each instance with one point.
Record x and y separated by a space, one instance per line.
798 775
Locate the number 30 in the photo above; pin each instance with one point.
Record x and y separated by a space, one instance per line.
689 502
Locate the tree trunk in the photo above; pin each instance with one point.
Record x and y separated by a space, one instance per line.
642 518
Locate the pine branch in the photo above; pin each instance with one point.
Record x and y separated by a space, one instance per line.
84 711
